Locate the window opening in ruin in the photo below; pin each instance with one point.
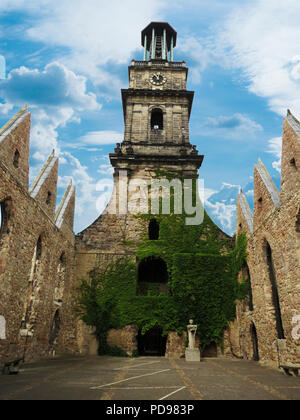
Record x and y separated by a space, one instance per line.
4 216
246 274
54 332
275 295
16 160
2 328
157 119
298 227
293 163
153 230
152 277
48 200
152 343
39 248
63 259
60 284
254 343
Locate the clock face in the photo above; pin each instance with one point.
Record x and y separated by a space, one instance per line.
158 79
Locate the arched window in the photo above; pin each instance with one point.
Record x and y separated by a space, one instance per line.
16 160
293 163
157 119
153 230
4 217
39 248
60 283
152 277
63 259
54 332
254 342
246 275
2 328
298 229
48 200
275 295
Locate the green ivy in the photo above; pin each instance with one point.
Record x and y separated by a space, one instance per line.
203 266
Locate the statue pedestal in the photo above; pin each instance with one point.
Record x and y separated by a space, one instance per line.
192 355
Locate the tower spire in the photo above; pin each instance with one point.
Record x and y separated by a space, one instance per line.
158 39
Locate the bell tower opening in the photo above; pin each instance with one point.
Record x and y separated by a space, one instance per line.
157 119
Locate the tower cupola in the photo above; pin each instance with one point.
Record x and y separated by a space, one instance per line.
159 41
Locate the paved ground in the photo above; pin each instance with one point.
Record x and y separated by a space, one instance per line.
147 378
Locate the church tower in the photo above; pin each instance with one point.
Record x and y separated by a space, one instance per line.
157 108
156 147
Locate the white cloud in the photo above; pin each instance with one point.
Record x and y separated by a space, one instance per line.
56 85
105 169
92 194
94 32
200 51
225 215
55 95
234 126
101 138
221 206
250 193
262 38
275 148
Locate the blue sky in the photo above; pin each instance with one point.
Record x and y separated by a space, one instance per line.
68 60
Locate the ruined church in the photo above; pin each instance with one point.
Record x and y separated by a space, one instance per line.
42 260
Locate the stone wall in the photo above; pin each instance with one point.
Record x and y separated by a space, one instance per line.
273 260
36 257
125 339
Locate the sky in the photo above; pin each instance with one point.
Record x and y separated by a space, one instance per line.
69 60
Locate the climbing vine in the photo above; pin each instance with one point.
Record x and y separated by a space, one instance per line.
203 265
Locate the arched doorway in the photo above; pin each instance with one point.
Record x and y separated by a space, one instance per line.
152 343
210 351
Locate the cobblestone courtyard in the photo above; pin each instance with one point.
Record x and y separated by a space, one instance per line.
147 378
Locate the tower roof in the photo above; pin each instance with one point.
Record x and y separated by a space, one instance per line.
159 28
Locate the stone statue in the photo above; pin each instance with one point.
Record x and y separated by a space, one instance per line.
192 334
192 354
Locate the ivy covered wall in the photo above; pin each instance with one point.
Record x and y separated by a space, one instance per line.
202 266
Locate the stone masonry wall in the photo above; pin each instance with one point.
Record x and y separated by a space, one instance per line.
275 226
36 263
